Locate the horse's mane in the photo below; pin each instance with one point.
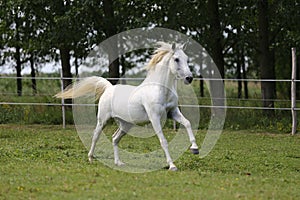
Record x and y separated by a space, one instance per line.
159 54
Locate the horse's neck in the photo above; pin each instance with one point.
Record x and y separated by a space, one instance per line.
161 75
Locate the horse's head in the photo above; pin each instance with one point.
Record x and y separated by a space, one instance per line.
173 57
179 64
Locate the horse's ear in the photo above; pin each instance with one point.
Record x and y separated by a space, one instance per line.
183 47
173 46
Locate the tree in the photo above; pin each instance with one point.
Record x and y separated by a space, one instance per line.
110 29
66 29
13 24
252 37
215 32
266 56
20 30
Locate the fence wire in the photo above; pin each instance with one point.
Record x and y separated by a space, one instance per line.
140 79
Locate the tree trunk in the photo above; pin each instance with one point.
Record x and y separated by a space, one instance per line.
65 64
201 86
18 69
114 72
33 80
76 66
201 61
239 75
215 31
123 69
216 52
267 68
244 76
239 63
18 58
110 30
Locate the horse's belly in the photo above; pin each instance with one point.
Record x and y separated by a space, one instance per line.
126 105
137 114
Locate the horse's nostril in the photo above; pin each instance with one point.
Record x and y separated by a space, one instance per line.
189 79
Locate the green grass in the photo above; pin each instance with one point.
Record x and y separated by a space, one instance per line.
46 162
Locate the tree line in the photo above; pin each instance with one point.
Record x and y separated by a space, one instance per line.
246 39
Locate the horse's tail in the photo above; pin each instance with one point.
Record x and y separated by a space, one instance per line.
87 86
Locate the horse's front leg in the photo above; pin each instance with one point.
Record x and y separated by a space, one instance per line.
178 116
154 116
116 138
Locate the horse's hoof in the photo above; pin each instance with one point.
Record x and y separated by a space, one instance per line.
194 151
91 158
173 169
119 163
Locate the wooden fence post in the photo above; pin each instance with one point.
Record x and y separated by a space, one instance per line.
293 92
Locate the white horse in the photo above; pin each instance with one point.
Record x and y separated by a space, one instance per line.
155 98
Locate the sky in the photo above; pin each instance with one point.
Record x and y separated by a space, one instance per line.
47 68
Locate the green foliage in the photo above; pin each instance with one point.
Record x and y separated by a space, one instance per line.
33 114
46 162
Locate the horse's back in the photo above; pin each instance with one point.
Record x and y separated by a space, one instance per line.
126 104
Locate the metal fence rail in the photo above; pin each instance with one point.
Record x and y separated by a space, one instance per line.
293 108
180 105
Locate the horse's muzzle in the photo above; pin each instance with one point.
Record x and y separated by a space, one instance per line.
188 79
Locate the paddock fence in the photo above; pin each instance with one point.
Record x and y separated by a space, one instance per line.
254 84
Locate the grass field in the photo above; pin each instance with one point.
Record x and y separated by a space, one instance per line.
46 162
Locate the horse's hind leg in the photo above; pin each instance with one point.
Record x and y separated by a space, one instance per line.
96 135
100 124
117 136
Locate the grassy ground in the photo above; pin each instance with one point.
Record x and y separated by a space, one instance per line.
46 162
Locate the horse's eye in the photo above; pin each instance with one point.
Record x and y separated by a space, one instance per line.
176 59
